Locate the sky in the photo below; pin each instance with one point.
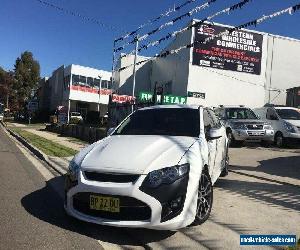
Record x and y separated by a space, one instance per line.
56 38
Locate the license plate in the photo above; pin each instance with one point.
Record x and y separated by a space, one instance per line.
105 203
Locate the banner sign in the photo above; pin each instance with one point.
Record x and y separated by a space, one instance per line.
91 90
122 98
237 51
196 95
167 99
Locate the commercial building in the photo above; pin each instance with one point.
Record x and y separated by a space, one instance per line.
244 67
81 89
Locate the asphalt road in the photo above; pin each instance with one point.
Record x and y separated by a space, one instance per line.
256 198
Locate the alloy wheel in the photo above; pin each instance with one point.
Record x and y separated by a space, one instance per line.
205 196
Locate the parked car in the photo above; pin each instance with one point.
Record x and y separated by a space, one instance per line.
75 118
242 124
155 170
285 121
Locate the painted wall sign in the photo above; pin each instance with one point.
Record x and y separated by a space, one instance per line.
237 51
122 98
167 99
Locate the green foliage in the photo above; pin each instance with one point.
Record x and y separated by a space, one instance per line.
27 75
48 147
6 86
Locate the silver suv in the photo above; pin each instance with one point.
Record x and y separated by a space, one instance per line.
242 124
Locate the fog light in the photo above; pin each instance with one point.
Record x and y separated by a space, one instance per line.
174 204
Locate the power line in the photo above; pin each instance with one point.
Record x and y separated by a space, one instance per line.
76 14
255 22
153 20
169 23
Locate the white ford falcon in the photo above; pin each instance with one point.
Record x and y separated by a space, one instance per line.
155 170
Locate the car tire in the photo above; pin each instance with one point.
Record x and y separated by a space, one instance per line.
230 138
232 142
205 198
265 144
279 140
226 165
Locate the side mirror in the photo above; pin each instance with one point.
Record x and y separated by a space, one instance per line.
110 130
214 133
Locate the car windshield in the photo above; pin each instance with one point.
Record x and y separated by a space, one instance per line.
288 114
240 113
164 121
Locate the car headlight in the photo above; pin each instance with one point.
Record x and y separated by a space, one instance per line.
289 127
73 170
166 175
268 126
238 125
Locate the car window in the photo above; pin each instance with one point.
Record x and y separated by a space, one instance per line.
208 121
271 114
288 114
240 113
164 121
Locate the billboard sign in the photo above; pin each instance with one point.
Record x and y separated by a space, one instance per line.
239 50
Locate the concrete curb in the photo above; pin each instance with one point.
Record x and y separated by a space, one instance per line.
43 157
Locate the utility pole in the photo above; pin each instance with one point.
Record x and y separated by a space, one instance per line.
134 68
100 82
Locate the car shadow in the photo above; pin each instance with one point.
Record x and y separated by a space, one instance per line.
46 204
280 166
285 196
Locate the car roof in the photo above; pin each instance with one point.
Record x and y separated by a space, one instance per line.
286 108
181 106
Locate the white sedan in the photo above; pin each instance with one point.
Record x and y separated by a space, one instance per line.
155 170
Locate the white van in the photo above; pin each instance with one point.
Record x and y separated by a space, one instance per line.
285 122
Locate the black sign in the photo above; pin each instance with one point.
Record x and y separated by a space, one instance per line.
196 95
237 51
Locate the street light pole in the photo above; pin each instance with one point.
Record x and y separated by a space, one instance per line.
99 93
134 67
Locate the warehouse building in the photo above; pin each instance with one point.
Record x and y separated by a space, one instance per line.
78 88
244 67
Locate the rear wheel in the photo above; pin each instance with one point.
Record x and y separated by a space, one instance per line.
226 165
205 198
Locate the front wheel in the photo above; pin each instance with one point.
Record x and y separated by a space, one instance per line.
279 140
205 198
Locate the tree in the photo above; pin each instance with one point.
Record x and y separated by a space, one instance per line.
6 87
27 75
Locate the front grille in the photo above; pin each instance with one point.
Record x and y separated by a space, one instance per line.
117 178
131 209
256 133
255 126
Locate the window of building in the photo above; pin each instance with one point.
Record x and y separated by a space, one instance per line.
104 84
82 80
90 81
96 83
75 79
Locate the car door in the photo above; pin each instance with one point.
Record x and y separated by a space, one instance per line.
212 144
221 145
272 117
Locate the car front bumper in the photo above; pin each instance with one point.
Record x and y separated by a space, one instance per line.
148 214
253 135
